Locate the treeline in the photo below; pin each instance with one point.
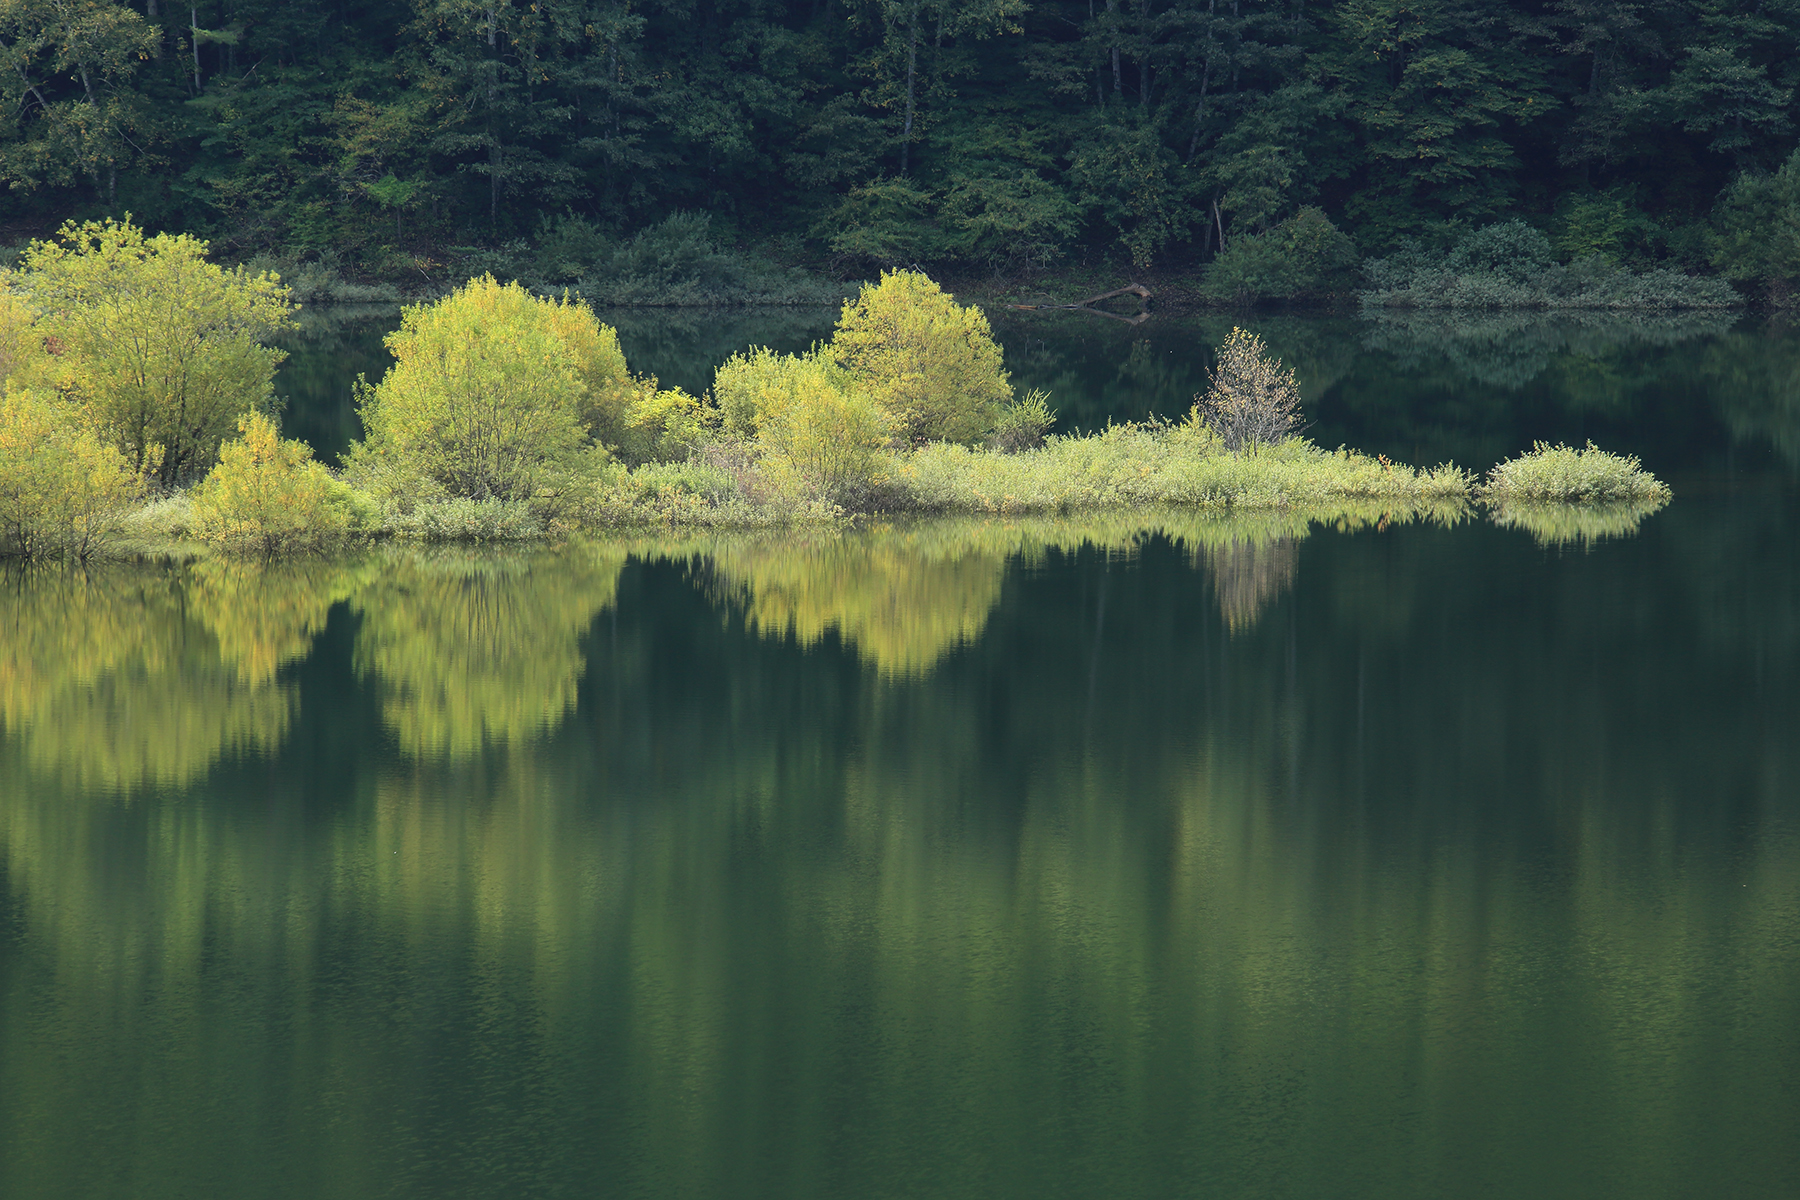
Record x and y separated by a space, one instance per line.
402 138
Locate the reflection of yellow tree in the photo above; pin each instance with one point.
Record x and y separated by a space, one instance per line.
471 649
902 604
145 676
1248 576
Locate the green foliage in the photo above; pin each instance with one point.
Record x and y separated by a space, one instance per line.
1016 220
931 364
821 431
664 424
1127 173
1589 475
162 348
1023 423
1132 465
1305 255
268 496
1607 225
460 519
676 262
887 222
62 489
585 147
1756 228
486 394
61 135
1512 265
1253 401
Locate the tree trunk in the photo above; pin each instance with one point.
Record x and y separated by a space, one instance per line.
912 75
194 30
1112 29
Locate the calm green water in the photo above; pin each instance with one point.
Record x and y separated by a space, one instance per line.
986 860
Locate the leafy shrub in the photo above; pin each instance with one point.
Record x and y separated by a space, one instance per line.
820 430
1756 229
1607 225
267 496
664 424
828 442
1305 255
164 349
1547 472
1512 265
931 364
1023 424
1254 400
62 489
487 392
1017 219
461 519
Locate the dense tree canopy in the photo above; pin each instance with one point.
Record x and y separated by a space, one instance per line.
889 131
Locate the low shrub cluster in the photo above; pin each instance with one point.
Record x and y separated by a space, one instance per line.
63 489
267 496
1512 265
1159 464
1558 473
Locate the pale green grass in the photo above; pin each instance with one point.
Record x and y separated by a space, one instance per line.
1135 465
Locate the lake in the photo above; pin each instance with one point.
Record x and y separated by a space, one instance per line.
1140 856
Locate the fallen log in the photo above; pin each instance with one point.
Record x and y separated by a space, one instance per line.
1131 289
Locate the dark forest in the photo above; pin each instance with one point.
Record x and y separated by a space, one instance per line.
389 135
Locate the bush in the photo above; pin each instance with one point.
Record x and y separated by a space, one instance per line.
1756 229
1254 400
163 348
1547 472
267 496
663 424
931 364
1305 255
487 393
1512 265
1023 424
820 431
62 489
460 519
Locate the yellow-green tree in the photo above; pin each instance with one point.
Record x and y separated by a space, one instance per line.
820 430
930 363
491 389
163 348
268 495
17 335
62 489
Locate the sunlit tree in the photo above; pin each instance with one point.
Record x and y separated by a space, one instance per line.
163 349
